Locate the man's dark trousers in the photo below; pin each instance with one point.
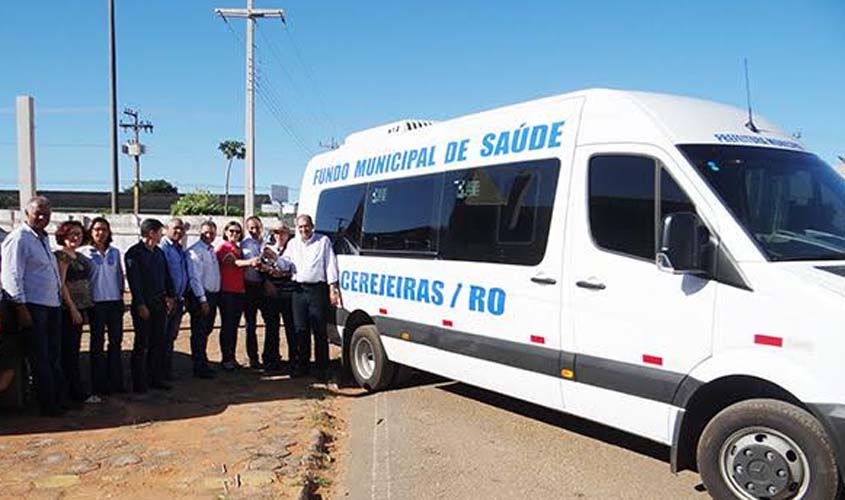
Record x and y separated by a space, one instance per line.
281 304
201 328
107 371
256 300
149 345
231 309
172 324
44 346
310 311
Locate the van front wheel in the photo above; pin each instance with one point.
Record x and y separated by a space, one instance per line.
764 448
368 361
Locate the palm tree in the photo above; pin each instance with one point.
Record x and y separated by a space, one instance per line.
231 150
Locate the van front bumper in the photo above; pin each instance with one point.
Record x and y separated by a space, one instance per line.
832 417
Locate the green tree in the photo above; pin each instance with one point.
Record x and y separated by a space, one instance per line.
153 186
231 150
199 202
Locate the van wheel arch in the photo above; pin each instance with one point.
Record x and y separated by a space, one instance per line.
708 400
355 319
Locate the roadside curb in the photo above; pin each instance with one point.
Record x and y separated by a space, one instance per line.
314 460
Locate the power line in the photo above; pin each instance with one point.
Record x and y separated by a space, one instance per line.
277 113
250 16
327 121
263 75
310 76
294 123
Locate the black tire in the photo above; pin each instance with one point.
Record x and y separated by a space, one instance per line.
766 442
368 361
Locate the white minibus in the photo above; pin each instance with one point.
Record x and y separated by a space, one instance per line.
668 266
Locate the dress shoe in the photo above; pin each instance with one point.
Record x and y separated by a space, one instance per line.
206 373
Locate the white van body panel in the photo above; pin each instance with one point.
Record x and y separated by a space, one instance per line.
625 355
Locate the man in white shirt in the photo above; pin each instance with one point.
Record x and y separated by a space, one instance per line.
30 279
205 276
315 272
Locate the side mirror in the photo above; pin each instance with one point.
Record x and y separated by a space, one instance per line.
682 245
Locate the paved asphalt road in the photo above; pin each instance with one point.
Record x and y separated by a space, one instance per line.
441 439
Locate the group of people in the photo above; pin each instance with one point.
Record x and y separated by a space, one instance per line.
47 297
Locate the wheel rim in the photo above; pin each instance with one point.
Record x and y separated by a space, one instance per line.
759 462
365 362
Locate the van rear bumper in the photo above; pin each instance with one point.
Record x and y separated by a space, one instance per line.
832 417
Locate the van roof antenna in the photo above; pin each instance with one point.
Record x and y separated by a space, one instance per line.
750 123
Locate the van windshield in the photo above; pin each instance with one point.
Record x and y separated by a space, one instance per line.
790 202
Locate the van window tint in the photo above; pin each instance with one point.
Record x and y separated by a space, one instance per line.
340 214
672 197
401 214
500 213
621 197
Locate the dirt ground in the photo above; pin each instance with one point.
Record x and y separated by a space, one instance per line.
242 435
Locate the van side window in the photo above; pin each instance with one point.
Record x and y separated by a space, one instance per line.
500 213
340 216
621 197
672 199
401 214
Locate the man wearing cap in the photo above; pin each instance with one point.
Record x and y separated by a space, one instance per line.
152 299
315 272
281 303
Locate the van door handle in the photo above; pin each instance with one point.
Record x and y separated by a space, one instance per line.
589 285
543 281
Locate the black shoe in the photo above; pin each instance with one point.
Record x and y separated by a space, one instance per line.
273 369
255 365
206 373
164 386
53 412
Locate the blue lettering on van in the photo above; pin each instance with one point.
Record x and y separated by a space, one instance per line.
477 299
758 140
331 174
456 151
526 137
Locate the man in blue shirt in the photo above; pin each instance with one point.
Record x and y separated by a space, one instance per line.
152 299
30 279
256 294
178 263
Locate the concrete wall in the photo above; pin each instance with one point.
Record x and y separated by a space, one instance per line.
125 227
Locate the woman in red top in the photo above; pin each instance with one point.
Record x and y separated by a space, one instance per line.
232 291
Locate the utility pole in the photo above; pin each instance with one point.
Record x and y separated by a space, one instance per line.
136 149
115 173
250 14
26 148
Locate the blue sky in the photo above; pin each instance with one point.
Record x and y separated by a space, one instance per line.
342 66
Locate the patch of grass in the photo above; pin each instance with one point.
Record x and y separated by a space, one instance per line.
322 482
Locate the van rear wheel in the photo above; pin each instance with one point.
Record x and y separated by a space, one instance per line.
368 361
764 448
